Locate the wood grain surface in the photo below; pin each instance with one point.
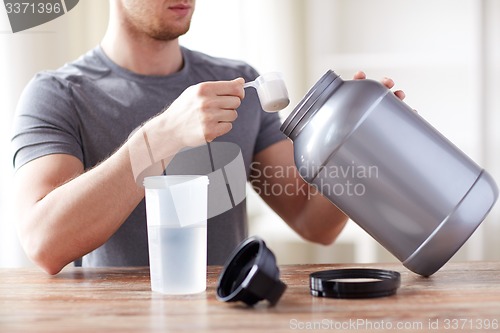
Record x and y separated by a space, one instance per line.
461 297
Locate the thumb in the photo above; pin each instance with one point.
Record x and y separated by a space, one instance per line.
239 80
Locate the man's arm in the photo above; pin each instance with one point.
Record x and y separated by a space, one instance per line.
302 207
63 212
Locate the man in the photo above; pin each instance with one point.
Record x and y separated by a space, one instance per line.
76 191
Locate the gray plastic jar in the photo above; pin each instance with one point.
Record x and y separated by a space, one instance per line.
389 170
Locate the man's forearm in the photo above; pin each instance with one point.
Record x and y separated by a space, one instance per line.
320 221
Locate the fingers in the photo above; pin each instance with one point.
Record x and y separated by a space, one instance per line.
217 123
386 81
400 94
360 75
218 101
222 88
219 109
219 130
221 102
211 118
389 83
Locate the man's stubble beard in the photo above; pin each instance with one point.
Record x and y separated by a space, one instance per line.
169 34
137 24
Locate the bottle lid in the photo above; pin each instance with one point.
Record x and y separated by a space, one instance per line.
354 283
250 275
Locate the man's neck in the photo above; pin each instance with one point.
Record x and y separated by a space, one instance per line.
142 54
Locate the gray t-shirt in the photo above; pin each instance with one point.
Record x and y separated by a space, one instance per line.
89 107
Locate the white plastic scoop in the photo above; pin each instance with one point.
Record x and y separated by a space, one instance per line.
271 90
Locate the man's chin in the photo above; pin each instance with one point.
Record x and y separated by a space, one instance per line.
171 34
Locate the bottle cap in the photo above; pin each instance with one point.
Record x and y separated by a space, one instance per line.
354 283
250 275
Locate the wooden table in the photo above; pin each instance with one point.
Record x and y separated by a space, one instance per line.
460 297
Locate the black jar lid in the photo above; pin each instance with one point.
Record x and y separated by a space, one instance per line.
312 101
347 283
250 275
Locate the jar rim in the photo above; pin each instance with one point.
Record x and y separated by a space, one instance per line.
313 100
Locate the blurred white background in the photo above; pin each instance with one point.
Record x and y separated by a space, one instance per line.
443 53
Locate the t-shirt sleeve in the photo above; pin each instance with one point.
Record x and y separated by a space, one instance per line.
45 121
269 132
